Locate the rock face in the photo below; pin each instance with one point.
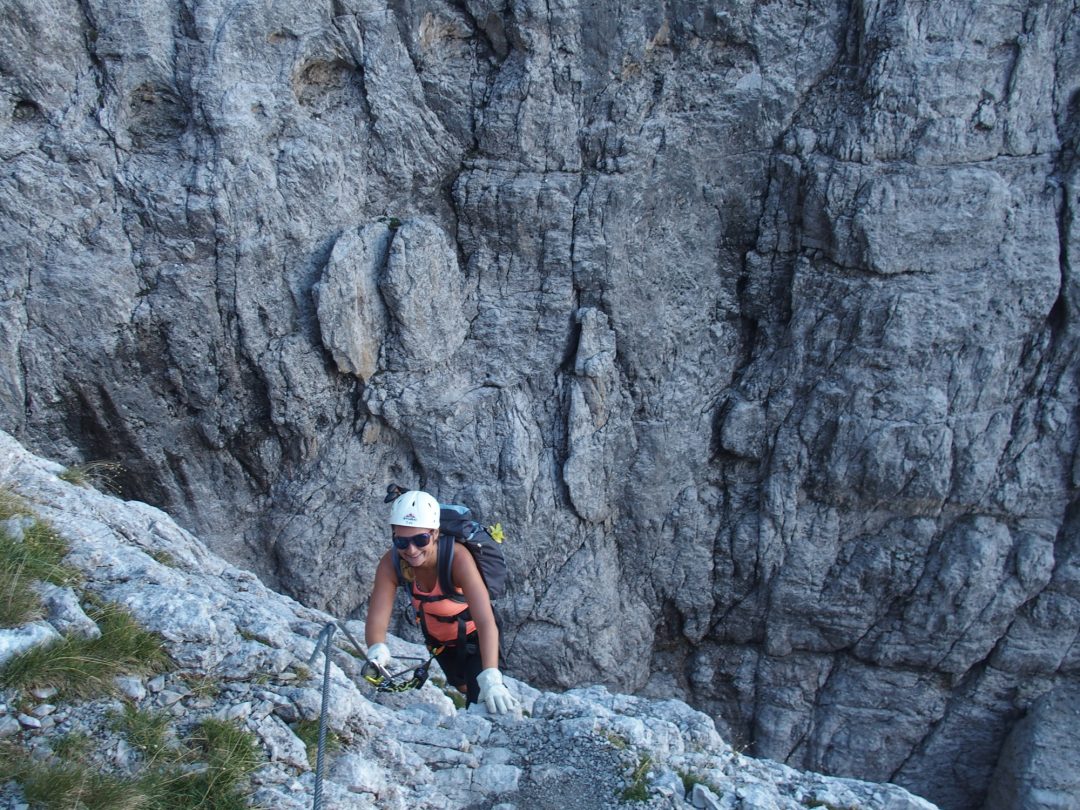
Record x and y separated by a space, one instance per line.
1030 773
252 657
754 323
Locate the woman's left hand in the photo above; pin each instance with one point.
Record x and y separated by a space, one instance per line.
493 692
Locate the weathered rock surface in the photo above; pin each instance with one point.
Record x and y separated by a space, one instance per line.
1029 773
254 647
754 323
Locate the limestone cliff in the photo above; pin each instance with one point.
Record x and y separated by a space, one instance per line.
753 322
257 660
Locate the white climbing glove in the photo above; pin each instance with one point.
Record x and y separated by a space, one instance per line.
493 692
379 654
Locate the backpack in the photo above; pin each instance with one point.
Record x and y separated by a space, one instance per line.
457 526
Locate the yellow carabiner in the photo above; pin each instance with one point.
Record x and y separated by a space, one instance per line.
371 673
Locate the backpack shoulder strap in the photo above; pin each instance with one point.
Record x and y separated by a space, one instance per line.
446 564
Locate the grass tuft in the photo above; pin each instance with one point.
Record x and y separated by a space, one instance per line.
69 786
65 784
74 746
44 550
11 505
146 731
103 475
638 789
38 555
163 557
85 668
615 740
230 754
208 774
201 686
19 603
690 779
229 749
302 672
308 733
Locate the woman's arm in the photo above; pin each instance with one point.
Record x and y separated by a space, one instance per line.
381 605
466 576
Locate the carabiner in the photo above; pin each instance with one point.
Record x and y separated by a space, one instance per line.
374 674
383 681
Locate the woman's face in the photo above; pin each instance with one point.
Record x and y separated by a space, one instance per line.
412 555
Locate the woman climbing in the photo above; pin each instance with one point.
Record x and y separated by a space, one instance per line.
459 627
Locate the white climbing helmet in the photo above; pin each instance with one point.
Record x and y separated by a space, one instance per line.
415 508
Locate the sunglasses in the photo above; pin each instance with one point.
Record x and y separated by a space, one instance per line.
418 540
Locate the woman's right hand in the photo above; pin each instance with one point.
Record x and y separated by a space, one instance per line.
379 654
